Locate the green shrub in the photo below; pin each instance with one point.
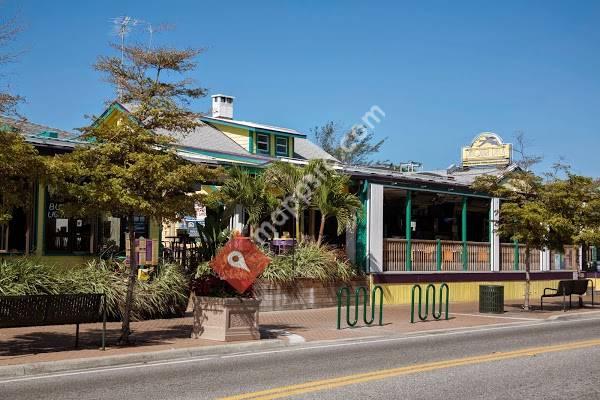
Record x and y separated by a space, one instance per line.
165 295
310 261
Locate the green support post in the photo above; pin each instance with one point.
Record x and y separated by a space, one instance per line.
464 234
516 255
594 253
438 257
408 231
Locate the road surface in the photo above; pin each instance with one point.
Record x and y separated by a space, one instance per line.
527 360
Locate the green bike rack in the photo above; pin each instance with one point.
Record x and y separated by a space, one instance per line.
357 293
429 290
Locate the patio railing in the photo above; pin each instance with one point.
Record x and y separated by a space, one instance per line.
507 258
432 255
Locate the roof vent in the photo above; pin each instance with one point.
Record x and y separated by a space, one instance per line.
48 134
222 106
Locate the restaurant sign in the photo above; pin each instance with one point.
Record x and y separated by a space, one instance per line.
487 149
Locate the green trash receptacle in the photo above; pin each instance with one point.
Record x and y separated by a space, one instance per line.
491 299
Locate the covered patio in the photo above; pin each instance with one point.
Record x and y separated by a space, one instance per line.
425 230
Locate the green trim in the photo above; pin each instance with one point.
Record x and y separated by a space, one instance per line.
361 229
269 147
465 253
420 189
408 218
287 147
438 257
251 142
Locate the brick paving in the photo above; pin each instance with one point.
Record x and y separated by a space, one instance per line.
51 343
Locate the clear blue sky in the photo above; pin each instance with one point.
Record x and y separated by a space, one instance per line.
442 71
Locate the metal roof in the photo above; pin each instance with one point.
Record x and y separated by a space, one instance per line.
255 125
305 149
28 128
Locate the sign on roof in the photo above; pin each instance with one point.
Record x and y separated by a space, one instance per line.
487 149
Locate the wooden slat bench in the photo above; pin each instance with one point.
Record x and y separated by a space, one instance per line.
62 309
577 287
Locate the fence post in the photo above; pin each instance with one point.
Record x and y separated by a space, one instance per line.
516 255
408 218
465 254
438 257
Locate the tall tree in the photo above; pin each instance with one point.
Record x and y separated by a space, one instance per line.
524 215
131 167
574 203
354 146
9 28
15 180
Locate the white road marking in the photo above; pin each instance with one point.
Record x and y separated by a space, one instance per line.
418 335
498 316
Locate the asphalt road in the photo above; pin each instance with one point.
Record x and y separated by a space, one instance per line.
547 360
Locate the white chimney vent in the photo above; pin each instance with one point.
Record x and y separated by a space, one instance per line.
222 106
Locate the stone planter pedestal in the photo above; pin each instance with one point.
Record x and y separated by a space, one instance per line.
225 319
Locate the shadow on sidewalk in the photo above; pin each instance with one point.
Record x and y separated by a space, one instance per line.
27 341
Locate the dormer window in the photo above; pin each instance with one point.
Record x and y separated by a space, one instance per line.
281 146
262 144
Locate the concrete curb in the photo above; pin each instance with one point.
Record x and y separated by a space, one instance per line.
47 367
571 316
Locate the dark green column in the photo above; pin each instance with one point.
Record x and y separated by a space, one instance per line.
408 260
464 234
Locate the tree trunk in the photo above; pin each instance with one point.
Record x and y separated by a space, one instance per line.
125 327
298 231
321 229
526 306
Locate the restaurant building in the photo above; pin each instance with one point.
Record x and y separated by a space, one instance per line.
418 226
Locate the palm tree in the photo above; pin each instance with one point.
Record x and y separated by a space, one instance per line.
284 178
333 200
248 191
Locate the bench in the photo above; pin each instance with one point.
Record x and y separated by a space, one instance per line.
577 287
62 309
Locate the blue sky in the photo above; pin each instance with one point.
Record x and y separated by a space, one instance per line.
442 71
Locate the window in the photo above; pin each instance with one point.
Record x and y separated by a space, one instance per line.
281 146
262 144
66 235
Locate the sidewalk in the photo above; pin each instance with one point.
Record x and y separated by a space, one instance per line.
56 343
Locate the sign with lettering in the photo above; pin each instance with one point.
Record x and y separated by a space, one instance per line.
487 149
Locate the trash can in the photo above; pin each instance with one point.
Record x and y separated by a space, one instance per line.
491 299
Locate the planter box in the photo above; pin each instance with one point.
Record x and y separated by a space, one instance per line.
301 294
225 319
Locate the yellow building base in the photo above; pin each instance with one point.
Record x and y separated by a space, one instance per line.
468 291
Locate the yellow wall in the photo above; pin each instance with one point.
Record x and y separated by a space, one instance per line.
239 135
469 291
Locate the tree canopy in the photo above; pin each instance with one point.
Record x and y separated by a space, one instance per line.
131 167
354 146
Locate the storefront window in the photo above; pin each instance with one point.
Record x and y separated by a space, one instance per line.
66 235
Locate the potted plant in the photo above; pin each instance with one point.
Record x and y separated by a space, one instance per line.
220 312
